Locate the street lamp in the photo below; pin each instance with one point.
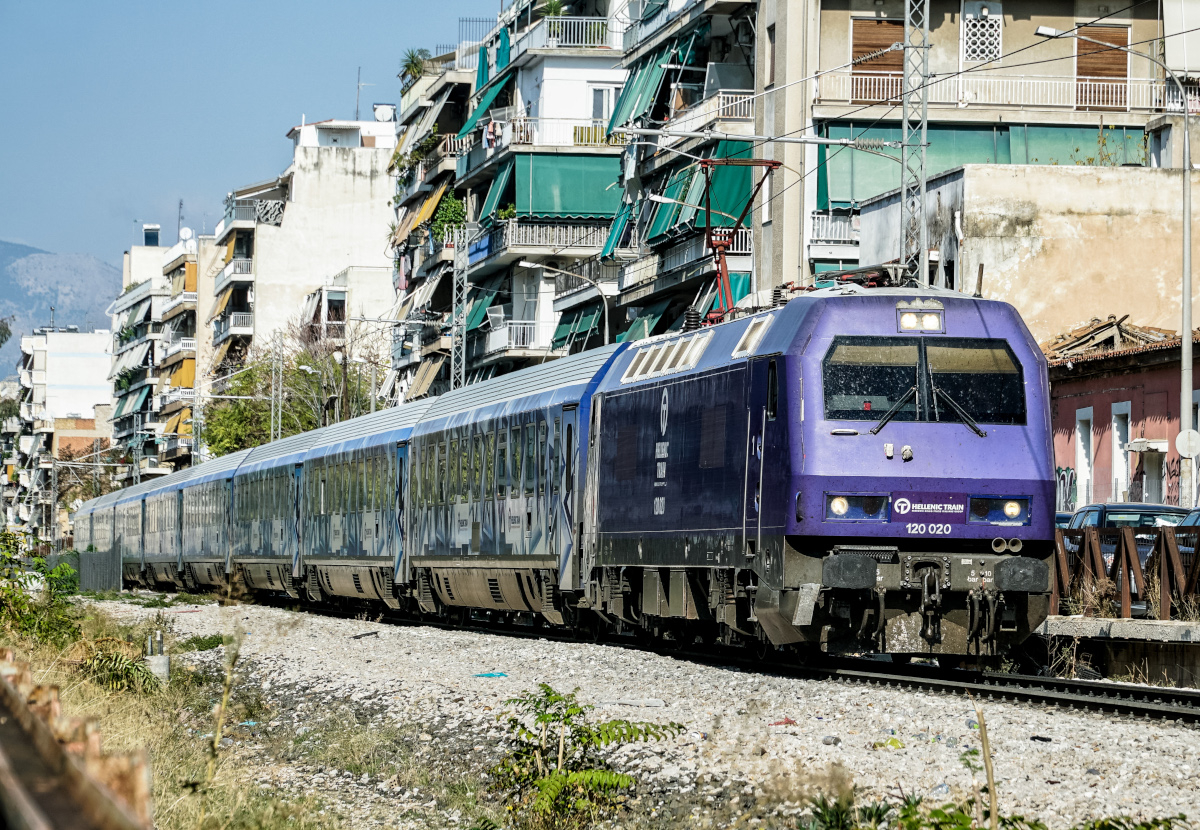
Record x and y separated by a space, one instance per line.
1185 340
603 297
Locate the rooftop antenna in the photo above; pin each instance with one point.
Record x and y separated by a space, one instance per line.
179 221
358 92
51 318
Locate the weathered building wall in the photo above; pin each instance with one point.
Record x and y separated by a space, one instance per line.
1140 390
1062 244
337 216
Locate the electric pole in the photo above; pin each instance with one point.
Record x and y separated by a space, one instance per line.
914 100
458 319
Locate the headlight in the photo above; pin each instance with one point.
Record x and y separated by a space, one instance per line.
866 507
908 321
1005 511
931 322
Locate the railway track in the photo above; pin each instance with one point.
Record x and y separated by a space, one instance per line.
1125 699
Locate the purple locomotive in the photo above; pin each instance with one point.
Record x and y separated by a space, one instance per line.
859 470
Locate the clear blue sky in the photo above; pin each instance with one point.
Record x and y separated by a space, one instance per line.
113 111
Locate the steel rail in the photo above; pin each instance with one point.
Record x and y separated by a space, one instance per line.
1126 699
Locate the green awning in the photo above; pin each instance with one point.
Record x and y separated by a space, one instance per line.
485 102
739 286
731 186
641 328
492 201
568 187
121 406
641 88
652 8
485 293
481 73
617 230
576 324
502 50
667 214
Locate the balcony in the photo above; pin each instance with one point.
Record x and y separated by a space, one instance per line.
996 90
177 394
571 289
180 344
667 268
180 302
246 213
512 240
236 270
237 323
175 447
728 105
519 131
835 230
512 335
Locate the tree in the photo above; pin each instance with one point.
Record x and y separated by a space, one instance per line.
412 65
325 379
5 330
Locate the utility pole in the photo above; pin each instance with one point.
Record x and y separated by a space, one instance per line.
914 100
179 221
53 498
358 92
458 319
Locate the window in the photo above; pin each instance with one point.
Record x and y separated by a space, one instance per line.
752 336
530 458
1100 72
602 102
502 463
488 462
515 473
982 22
772 391
441 472
464 480
543 451
923 379
770 55
555 458
477 465
712 438
877 79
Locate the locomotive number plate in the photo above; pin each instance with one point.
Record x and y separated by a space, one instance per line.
922 529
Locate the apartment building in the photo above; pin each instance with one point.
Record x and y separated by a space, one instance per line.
534 172
137 332
189 269
283 238
691 69
999 95
64 408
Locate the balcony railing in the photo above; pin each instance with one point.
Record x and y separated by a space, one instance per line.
512 234
178 393
643 29
688 251
234 268
597 272
567 33
238 322
177 443
726 105
561 132
519 334
839 229
181 344
995 90
179 299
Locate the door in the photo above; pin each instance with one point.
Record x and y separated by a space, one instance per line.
293 529
396 533
1101 73
764 483
565 524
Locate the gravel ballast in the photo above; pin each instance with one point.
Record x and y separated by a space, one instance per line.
752 743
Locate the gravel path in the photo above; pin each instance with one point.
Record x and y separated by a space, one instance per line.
752 743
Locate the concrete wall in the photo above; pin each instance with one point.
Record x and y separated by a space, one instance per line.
1062 244
337 216
140 263
562 85
77 366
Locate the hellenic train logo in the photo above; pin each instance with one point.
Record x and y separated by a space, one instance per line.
902 506
662 414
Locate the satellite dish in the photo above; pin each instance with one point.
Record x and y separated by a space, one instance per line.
185 234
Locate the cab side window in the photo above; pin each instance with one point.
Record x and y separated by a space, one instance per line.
1091 519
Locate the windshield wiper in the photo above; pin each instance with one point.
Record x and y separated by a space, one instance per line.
962 413
891 413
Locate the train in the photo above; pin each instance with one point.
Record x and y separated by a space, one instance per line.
855 470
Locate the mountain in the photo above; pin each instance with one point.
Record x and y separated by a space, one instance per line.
79 286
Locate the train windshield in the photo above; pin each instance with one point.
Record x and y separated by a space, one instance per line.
923 379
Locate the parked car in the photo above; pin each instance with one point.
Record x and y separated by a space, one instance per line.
1062 520
1138 516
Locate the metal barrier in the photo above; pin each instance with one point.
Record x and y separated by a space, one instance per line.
99 571
1107 571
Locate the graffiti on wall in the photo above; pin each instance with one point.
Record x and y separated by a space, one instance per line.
1064 489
